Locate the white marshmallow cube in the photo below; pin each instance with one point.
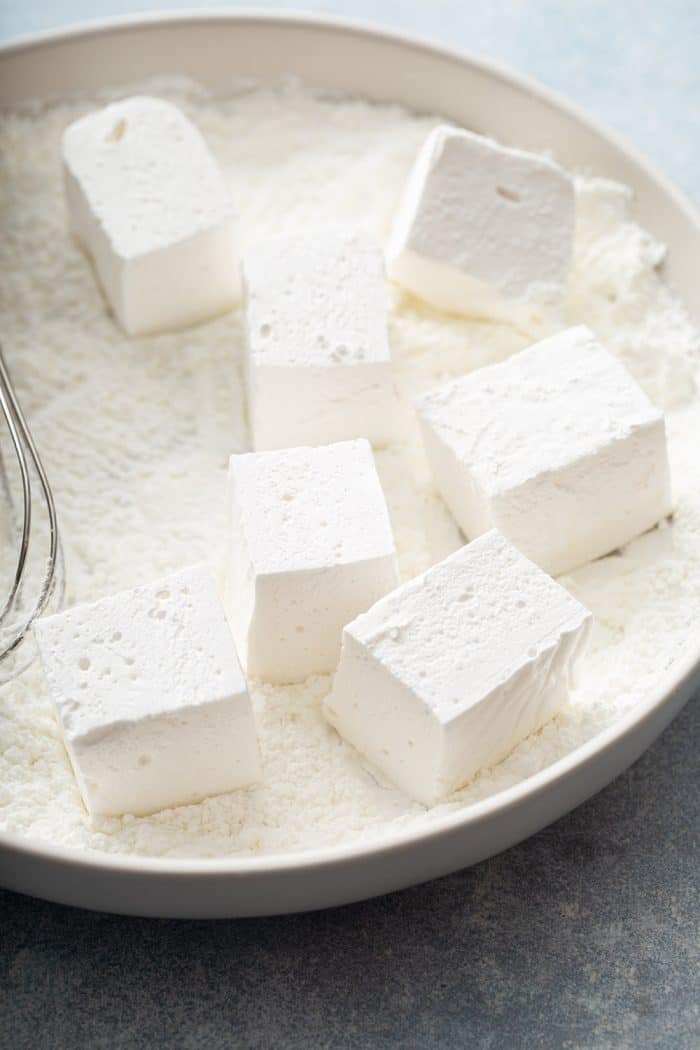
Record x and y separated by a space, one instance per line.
148 203
485 231
151 700
318 363
558 447
311 547
447 674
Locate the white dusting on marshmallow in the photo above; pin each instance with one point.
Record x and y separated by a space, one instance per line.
446 675
319 366
311 547
149 204
485 231
558 447
151 700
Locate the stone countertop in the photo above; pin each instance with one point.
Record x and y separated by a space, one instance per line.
586 935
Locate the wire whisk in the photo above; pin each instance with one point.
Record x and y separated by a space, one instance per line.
16 615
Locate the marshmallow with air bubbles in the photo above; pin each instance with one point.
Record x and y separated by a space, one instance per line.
443 677
558 447
150 206
311 547
318 359
152 704
485 231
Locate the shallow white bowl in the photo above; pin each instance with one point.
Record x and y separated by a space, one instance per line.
385 67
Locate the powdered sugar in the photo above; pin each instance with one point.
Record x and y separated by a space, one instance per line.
136 437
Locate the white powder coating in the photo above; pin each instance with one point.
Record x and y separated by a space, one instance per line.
151 700
558 447
148 202
311 547
485 231
136 436
319 366
447 674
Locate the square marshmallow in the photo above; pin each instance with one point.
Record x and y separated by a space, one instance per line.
558 447
485 231
151 700
446 675
318 363
311 548
148 203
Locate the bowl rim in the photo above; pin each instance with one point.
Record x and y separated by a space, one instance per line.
674 680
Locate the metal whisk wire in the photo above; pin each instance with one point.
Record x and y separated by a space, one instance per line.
23 444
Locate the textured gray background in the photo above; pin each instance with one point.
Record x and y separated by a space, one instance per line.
584 936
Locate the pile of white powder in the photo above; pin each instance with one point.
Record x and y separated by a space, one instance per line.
136 436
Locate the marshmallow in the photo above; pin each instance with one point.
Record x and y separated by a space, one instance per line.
558 447
319 367
311 547
151 700
148 203
485 231
446 675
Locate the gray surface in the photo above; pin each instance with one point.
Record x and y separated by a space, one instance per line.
584 936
